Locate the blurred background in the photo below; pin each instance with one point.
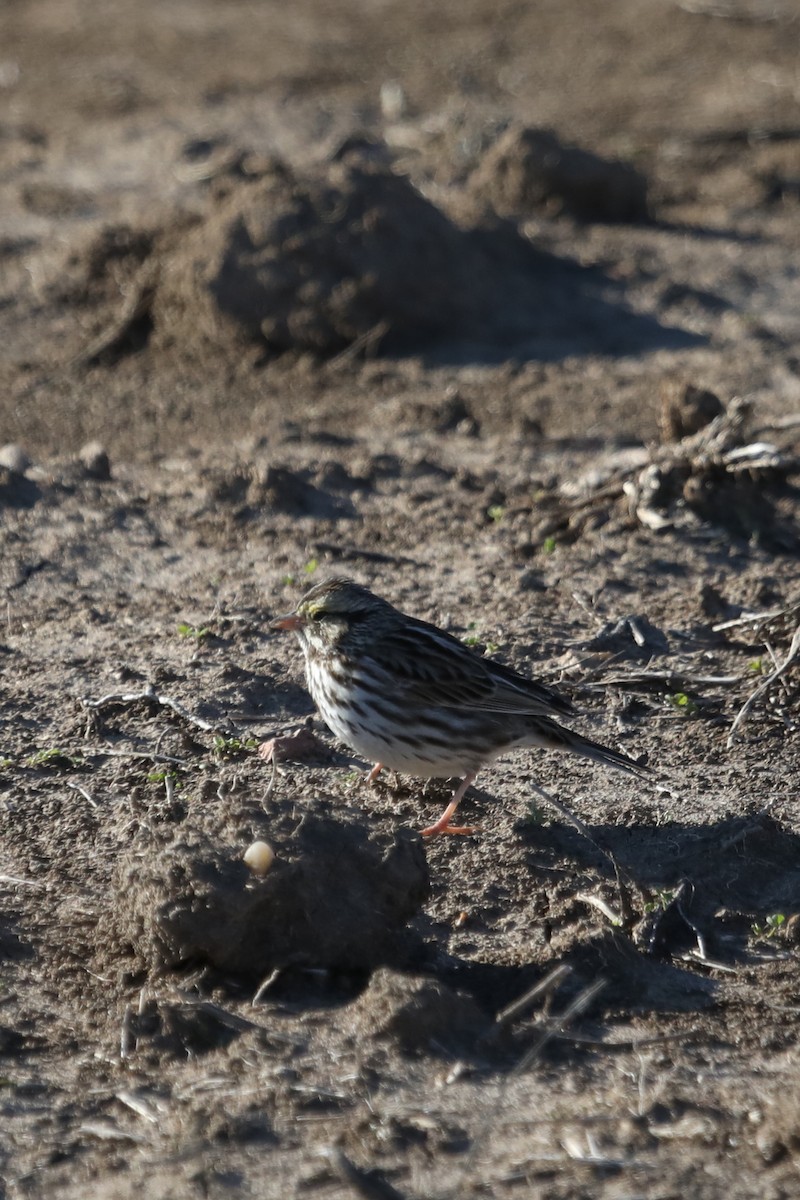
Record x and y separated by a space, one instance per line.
210 212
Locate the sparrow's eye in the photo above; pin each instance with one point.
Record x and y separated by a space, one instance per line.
317 614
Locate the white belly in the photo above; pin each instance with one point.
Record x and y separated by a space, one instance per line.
383 732
425 763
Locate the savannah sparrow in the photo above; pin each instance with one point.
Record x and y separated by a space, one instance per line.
408 696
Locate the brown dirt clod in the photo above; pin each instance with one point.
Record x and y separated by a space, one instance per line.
417 1012
314 261
529 169
337 896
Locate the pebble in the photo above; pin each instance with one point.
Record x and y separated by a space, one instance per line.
14 458
95 460
259 857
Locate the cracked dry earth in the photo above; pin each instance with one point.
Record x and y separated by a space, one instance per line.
576 449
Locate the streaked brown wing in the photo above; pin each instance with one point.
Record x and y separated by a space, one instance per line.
431 667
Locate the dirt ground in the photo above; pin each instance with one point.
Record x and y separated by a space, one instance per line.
494 308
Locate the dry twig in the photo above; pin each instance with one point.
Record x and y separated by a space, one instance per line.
34 883
763 688
628 1044
599 903
265 986
76 787
545 987
623 880
135 306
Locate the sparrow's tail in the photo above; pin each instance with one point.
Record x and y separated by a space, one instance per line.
555 737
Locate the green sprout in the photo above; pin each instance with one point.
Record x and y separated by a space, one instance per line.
683 703
162 776
495 512
310 566
288 580
756 665
535 814
474 639
226 746
771 927
53 757
549 545
192 631
663 897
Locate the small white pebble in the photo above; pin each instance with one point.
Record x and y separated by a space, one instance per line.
259 857
14 458
393 101
95 460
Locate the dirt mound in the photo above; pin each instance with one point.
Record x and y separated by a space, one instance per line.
417 1012
529 169
317 261
350 254
336 895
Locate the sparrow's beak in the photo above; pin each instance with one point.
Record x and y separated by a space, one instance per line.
290 621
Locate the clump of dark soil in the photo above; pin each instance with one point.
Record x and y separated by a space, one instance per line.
531 169
337 895
16 490
686 409
315 261
352 254
419 1013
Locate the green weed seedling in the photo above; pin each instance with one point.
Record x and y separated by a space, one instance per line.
53 757
227 746
771 927
661 902
192 631
472 638
162 776
683 703
535 814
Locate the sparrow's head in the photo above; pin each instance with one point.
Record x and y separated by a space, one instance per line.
337 614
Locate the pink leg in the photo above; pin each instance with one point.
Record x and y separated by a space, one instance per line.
374 773
443 824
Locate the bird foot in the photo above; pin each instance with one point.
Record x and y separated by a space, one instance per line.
443 824
440 827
